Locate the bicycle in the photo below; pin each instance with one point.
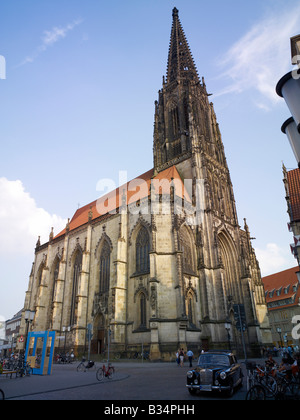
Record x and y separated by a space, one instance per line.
288 387
82 367
105 373
256 393
23 368
258 379
2 395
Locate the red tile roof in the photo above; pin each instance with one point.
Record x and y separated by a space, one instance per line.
280 286
135 190
293 179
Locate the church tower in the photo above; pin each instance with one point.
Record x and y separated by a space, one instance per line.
187 136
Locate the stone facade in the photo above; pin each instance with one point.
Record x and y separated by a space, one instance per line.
161 261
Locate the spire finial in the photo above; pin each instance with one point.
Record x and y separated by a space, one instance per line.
175 12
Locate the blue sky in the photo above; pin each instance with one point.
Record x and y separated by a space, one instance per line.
77 106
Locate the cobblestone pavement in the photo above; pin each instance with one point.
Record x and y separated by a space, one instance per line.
134 381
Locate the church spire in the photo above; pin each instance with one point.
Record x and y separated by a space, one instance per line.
180 61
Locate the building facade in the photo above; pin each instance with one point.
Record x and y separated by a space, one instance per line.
161 261
291 180
283 299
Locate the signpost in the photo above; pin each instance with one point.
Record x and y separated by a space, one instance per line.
89 337
241 324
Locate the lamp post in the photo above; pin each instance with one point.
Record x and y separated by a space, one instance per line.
279 332
29 317
65 330
288 88
290 129
227 328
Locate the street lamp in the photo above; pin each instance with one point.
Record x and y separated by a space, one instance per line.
227 328
279 332
288 88
29 317
65 330
290 129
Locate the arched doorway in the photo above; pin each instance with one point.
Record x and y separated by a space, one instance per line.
98 344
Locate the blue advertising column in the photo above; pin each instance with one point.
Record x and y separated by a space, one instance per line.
45 336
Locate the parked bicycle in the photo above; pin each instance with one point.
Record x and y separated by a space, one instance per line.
89 366
104 372
261 383
288 386
24 368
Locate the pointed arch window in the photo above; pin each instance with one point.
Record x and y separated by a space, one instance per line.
76 277
142 251
185 247
104 268
190 310
143 318
55 277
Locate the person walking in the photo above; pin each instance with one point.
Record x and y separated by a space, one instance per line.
181 356
178 357
190 355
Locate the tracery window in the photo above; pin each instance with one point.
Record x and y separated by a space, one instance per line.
55 277
104 268
190 310
142 251
142 310
186 248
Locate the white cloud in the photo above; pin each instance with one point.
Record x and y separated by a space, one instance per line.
50 38
274 259
21 221
262 56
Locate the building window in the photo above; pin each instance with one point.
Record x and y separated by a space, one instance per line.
142 251
105 268
143 311
185 247
76 277
55 277
190 311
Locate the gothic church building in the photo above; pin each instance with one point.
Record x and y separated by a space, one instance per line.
162 260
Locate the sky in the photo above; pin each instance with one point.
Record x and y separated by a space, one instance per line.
77 106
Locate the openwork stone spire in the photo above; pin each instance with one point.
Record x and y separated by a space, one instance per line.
180 62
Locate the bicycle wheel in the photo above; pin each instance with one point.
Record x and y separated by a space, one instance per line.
2 396
270 385
100 374
111 372
80 367
257 392
294 389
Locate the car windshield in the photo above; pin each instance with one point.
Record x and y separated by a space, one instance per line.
214 360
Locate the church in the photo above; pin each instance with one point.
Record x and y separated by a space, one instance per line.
161 262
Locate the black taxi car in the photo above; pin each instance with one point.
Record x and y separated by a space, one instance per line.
216 371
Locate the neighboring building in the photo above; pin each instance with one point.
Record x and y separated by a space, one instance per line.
161 261
12 334
292 187
283 299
